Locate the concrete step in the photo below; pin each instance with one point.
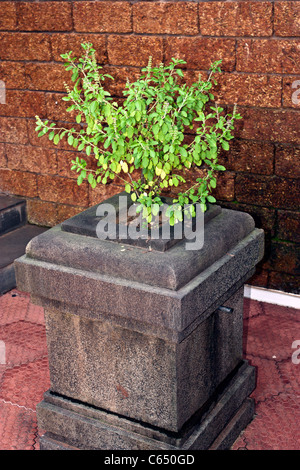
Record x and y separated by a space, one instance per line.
12 213
12 246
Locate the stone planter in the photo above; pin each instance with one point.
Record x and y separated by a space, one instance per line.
145 347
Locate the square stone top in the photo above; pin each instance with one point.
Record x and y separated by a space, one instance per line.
170 269
86 223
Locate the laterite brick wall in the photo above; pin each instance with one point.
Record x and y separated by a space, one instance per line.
260 47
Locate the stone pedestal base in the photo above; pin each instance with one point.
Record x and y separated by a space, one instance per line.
145 346
71 424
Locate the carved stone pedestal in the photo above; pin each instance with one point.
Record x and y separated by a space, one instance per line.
145 347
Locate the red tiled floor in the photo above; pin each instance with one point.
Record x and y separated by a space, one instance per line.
269 333
25 375
18 428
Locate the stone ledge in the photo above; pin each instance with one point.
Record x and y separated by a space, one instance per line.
98 294
171 269
86 427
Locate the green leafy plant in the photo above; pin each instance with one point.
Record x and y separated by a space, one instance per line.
146 132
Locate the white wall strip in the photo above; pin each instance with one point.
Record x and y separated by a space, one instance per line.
272 296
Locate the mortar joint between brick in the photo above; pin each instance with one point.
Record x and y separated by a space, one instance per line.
131 15
273 18
275 145
198 19
72 17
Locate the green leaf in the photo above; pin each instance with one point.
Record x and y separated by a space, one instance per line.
155 209
213 182
183 152
90 178
175 181
80 179
130 132
155 129
128 188
145 162
56 139
225 145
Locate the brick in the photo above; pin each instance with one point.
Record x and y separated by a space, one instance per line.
288 226
192 76
13 130
102 17
33 159
49 214
165 18
264 217
284 257
268 191
236 18
47 76
134 50
248 156
248 90
64 212
13 74
275 125
283 282
225 186
44 140
23 104
62 190
3 159
41 213
260 278
64 163
18 183
120 75
287 18
57 108
25 46
268 56
8 16
62 43
102 192
199 52
224 190
44 16
291 92
287 161
35 140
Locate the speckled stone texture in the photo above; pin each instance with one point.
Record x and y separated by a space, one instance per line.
139 334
